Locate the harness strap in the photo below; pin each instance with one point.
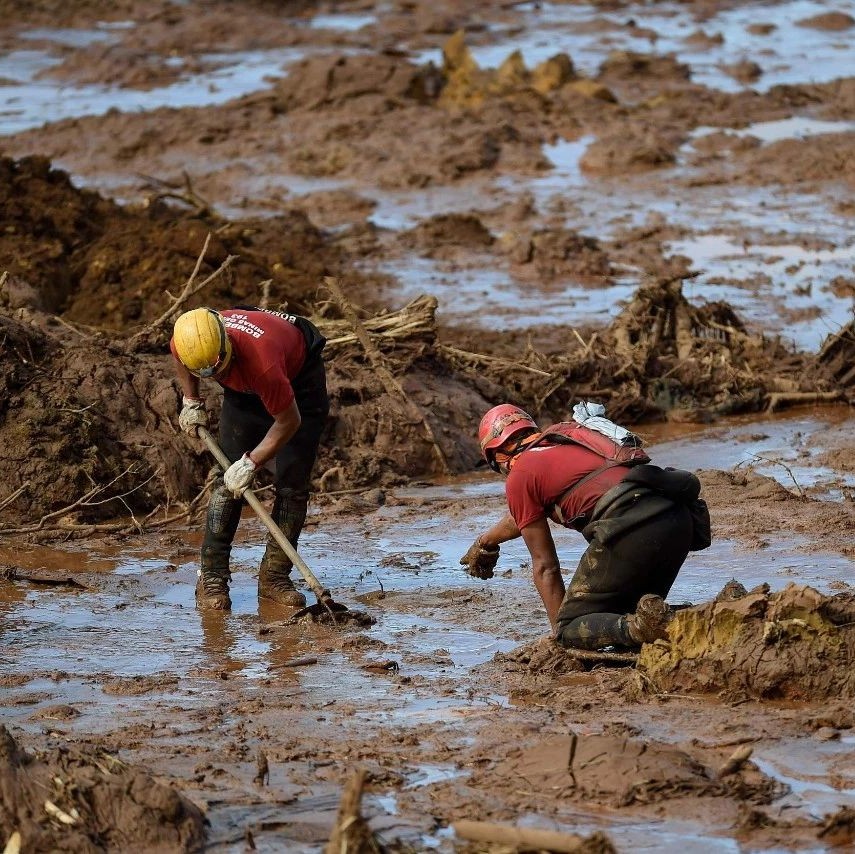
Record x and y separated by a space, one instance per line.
555 507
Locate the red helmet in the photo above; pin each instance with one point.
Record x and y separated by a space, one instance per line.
499 424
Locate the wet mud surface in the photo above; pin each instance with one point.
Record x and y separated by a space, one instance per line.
648 206
434 700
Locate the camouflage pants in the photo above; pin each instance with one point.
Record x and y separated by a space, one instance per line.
612 577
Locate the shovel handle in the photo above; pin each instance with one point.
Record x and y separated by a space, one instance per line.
275 531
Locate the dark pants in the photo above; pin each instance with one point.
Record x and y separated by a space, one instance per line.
243 423
612 577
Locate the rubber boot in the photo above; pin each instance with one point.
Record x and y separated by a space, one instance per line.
212 584
650 620
274 575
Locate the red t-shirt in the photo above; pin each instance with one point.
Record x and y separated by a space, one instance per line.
541 474
268 351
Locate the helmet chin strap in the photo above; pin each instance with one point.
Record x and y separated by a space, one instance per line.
511 453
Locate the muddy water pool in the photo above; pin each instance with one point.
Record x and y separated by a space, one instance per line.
753 245
138 618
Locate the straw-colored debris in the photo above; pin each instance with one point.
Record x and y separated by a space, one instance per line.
795 644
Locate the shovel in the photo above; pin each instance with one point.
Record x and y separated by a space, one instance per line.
325 603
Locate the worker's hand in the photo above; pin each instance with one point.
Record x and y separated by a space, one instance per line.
480 559
239 475
192 415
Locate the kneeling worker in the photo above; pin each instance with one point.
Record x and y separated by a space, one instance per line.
640 521
275 405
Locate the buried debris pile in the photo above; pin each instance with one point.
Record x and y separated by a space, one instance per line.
66 800
795 644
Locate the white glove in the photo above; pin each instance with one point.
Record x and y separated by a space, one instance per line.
192 415
239 475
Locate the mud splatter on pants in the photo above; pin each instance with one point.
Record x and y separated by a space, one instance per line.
243 423
612 577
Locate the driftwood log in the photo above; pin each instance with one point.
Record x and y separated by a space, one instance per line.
529 838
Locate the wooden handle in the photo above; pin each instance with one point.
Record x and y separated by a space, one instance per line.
275 531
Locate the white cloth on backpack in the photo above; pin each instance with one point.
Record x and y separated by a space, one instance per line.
592 416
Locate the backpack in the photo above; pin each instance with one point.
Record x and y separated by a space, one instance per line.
627 453
571 433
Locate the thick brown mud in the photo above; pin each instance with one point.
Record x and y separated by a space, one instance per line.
542 203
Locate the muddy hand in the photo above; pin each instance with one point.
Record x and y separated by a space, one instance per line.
480 560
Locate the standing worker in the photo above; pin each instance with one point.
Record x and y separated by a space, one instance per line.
275 405
640 521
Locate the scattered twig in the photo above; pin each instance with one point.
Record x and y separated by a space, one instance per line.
302 661
492 360
597 657
784 466
10 498
190 197
351 834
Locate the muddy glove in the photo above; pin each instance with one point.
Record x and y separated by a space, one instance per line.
192 415
239 475
480 559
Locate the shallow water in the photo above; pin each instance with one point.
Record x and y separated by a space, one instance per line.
790 54
141 619
777 285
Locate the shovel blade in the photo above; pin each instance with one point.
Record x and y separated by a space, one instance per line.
327 610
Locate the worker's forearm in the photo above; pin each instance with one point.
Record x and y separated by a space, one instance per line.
283 428
505 529
550 586
189 383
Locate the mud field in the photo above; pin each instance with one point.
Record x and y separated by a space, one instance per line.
645 205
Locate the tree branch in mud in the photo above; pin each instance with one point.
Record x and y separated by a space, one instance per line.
73 530
797 398
170 191
528 837
351 831
19 491
392 386
190 289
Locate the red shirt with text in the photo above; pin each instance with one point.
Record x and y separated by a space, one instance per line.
268 351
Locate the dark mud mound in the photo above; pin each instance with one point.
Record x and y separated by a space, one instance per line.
89 424
97 263
76 414
796 644
65 800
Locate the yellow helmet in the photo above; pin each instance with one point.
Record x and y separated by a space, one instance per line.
201 342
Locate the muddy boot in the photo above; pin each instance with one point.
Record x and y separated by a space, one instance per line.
731 591
275 584
212 585
274 575
650 620
212 589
